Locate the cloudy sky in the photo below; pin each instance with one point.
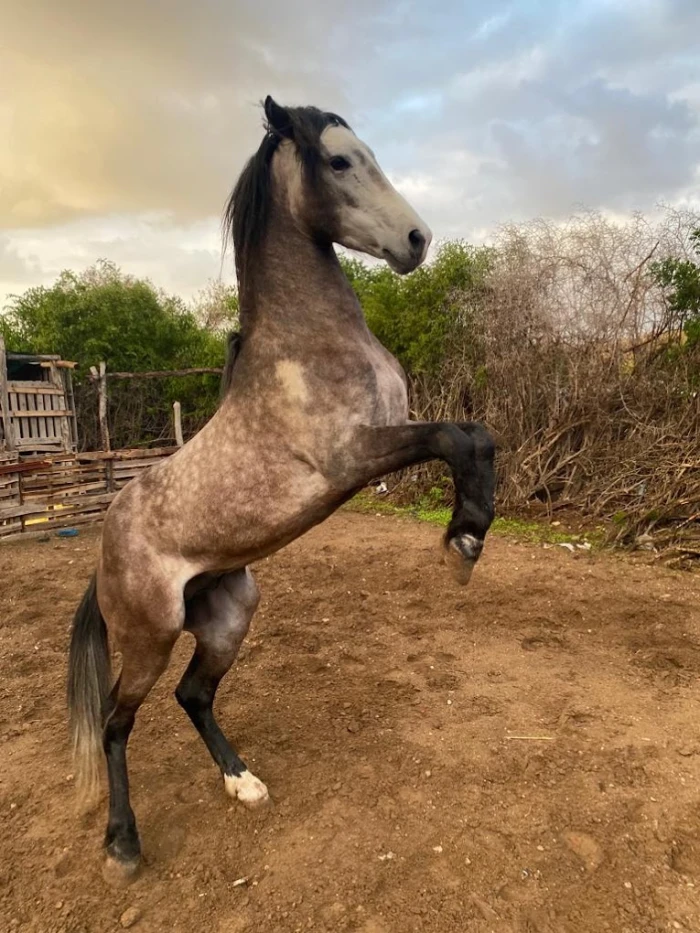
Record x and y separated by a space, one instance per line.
124 123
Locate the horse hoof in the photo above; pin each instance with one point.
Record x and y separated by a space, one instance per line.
461 554
247 788
120 874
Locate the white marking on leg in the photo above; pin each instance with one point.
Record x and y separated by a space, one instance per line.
247 788
469 546
462 553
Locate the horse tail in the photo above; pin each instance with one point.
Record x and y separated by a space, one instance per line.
89 682
233 348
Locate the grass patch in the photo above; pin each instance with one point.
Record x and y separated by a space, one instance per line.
523 530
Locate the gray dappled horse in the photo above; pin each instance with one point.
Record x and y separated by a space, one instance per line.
315 409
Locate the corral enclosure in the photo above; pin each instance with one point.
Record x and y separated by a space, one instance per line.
67 490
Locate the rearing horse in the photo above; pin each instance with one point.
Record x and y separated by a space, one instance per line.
315 409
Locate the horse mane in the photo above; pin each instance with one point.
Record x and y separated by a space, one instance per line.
233 348
247 210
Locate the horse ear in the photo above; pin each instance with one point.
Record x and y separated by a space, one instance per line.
278 119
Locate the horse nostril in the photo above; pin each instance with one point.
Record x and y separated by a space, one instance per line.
417 240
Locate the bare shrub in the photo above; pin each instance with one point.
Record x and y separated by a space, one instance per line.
571 356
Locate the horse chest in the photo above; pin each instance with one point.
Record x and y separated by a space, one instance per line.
390 395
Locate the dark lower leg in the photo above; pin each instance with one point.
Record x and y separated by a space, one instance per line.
195 693
475 481
142 665
121 838
466 448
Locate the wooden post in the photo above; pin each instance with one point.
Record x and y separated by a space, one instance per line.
68 377
8 429
102 409
20 497
56 380
177 416
110 485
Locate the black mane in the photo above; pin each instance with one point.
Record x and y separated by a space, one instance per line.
247 209
233 348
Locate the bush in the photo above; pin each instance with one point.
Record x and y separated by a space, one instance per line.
103 314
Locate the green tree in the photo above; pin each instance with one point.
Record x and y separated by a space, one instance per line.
216 308
102 314
681 280
417 316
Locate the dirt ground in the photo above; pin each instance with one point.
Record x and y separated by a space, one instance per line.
521 756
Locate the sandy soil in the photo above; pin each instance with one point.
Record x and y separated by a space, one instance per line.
521 756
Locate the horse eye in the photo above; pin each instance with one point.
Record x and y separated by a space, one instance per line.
339 164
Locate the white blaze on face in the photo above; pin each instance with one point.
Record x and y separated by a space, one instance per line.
291 375
372 216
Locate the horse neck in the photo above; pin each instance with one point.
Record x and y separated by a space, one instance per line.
295 288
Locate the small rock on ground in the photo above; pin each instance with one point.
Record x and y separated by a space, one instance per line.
130 917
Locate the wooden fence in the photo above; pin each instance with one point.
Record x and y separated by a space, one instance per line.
65 490
37 408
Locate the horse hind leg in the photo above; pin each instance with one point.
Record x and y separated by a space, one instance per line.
102 720
143 661
219 618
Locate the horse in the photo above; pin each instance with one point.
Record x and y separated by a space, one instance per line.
314 409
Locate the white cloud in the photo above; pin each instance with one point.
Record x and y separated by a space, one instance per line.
122 129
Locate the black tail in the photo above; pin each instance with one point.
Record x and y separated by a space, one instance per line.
89 683
232 351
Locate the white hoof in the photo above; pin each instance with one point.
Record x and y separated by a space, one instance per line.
247 788
462 554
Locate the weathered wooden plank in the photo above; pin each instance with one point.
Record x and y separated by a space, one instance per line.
10 528
33 357
63 469
12 403
60 474
30 410
39 412
45 497
30 388
42 424
45 445
77 469
38 507
124 477
42 531
135 465
68 377
8 440
23 466
134 454
63 489
21 384
62 423
168 373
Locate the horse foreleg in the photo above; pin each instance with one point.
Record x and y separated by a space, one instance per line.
467 449
219 618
